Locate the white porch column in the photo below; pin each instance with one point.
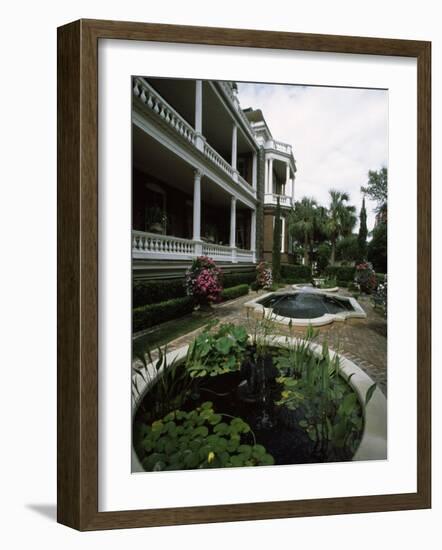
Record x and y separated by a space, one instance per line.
266 176
253 233
282 234
293 189
234 145
199 113
233 222
287 179
270 176
254 169
197 210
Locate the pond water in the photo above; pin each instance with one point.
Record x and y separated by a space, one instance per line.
305 305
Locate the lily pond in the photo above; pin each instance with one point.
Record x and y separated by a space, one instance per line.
240 399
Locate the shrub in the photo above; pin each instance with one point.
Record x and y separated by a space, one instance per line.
152 314
203 280
342 274
234 292
264 278
235 279
323 256
296 273
152 292
365 277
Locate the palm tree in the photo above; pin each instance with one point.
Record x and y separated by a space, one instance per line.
341 219
301 223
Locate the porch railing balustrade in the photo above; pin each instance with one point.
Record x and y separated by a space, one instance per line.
151 246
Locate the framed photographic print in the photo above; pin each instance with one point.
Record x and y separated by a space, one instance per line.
243 274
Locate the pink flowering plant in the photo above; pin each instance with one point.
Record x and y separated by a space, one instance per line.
264 277
365 277
204 280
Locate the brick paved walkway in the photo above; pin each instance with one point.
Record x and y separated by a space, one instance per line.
363 341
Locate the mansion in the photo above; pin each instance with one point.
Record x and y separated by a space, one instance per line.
207 176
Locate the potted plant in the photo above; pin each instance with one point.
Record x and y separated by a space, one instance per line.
155 220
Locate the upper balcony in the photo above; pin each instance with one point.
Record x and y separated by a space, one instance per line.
192 112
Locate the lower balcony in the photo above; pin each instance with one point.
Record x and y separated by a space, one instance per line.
151 246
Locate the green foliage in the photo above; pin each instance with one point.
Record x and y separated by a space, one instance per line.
276 251
296 273
200 438
234 292
347 248
169 382
147 316
342 274
152 292
377 187
341 218
377 248
323 256
217 352
302 222
329 282
235 279
362 235
326 407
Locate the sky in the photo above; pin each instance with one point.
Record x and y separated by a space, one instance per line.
337 135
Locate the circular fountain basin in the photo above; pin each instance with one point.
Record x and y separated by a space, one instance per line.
304 307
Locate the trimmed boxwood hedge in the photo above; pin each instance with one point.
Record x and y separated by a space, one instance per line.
296 273
342 274
234 292
153 292
153 314
234 279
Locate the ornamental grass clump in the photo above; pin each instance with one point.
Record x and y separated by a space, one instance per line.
204 281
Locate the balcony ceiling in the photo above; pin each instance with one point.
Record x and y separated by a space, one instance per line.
217 122
154 159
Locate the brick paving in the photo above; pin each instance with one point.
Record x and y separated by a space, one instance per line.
363 341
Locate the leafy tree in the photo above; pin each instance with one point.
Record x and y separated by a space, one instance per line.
276 252
377 186
347 248
323 256
377 248
301 223
362 235
341 219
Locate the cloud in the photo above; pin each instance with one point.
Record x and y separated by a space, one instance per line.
337 134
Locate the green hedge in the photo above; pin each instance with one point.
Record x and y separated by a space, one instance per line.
380 278
342 274
296 273
235 279
153 292
153 314
234 292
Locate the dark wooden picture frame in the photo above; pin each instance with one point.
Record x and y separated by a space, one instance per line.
77 461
